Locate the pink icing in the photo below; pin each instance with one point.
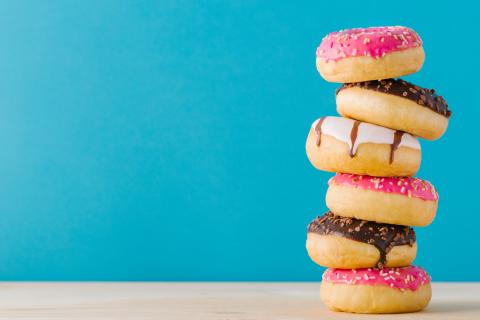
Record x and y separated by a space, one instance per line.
408 278
407 186
373 42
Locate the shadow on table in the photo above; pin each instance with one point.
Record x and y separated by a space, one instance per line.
453 306
437 310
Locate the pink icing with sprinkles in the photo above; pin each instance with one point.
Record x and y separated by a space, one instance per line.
407 186
408 278
373 42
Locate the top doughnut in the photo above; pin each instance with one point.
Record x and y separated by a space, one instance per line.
373 53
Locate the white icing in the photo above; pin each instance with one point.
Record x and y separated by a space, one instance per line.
340 129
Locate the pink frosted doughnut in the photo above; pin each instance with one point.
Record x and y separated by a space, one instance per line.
373 53
406 186
394 200
390 290
407 278
373 42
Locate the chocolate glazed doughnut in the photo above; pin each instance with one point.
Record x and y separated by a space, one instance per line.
347 243
395 104
401 88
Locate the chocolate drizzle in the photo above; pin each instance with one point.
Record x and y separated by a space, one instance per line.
354 133
353 137
381 235
318 130
398 87
397 138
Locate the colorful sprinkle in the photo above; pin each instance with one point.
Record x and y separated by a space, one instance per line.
408 278
372 42
407 186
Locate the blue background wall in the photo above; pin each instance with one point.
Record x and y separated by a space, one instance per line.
165 141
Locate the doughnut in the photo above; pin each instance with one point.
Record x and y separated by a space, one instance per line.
373 53
350 146
391 290
394 200
348 243
395 104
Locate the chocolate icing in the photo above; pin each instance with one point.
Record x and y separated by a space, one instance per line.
381 235
398 87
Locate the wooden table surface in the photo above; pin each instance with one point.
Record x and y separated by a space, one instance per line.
200 300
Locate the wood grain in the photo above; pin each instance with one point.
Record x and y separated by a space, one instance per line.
200 300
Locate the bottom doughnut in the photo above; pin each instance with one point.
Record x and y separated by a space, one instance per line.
391 290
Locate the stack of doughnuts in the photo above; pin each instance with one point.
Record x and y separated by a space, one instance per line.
366 239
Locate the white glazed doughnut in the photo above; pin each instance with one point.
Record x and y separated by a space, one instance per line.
369 54
391 290
344 145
